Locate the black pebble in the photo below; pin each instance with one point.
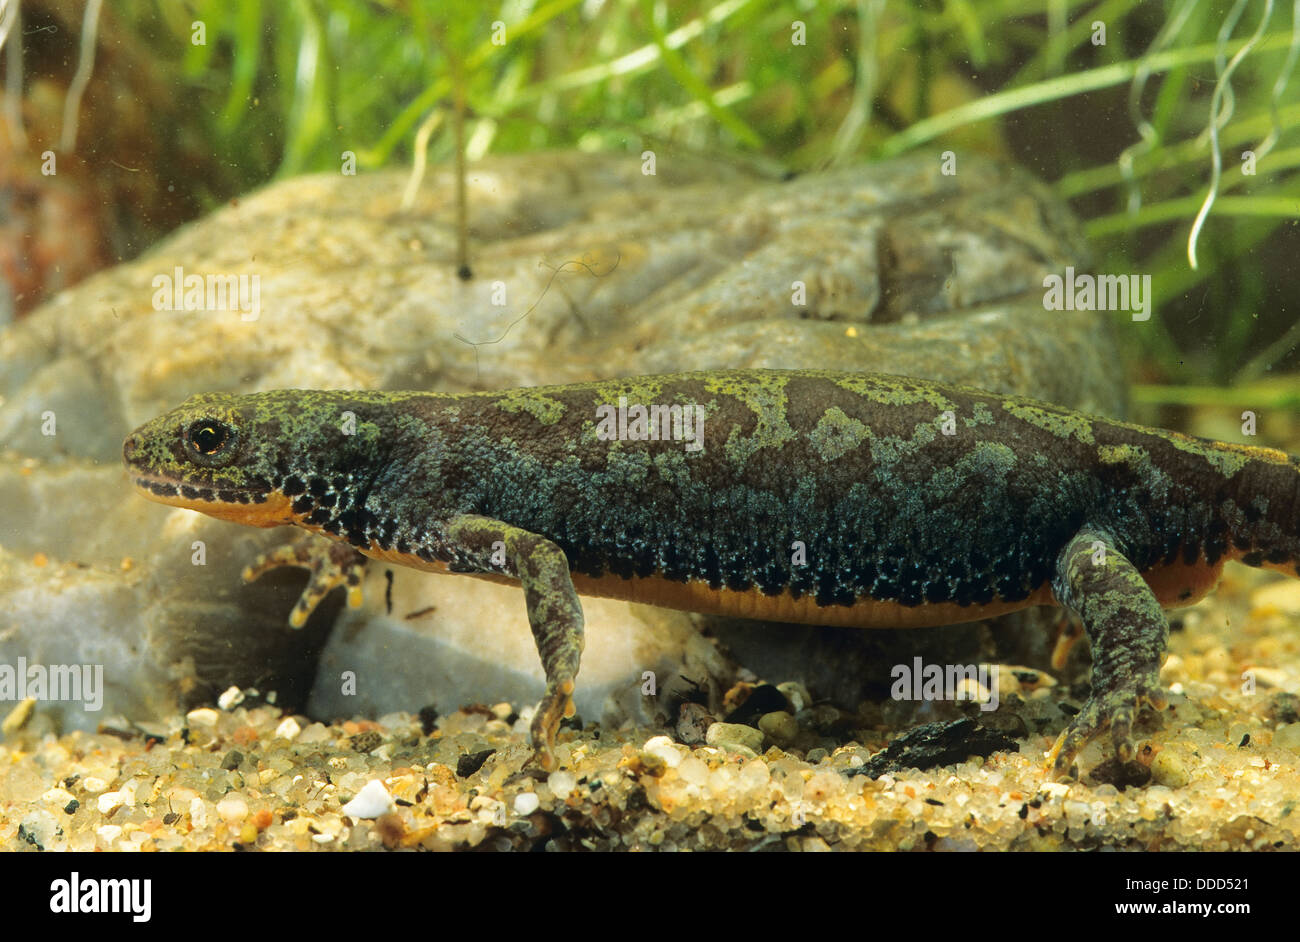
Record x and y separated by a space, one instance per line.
471 762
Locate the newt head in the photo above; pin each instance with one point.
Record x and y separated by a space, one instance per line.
214 453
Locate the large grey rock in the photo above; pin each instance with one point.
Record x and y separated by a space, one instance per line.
905 270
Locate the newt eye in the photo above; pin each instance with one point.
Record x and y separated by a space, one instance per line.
210 442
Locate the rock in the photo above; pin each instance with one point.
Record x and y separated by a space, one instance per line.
780 726
916 272
526 803
203 718
17 718
288 729
925 747
561 784
315 732
731 735
109 802
796 695
471 762
1282 597
231 698
1288 737
1168 769
693 722
232 809
108 833
372 801
665 749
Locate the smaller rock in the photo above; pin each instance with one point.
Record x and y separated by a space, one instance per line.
110 802
366 741
729 735
796 694
562 783
1168 769
231 698
1270 677
203 718
371 802
693 722
1288 737
780 726
316 732
288 729
471 762
18 716
526 803
1283 708
1277 597
665 749
109 833
232 809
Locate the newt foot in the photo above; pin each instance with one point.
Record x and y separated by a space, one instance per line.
330 564
1114 710
557 705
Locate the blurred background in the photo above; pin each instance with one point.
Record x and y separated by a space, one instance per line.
160 110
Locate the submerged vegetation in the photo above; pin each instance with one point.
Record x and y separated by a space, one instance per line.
1171 127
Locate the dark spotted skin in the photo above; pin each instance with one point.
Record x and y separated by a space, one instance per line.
817 497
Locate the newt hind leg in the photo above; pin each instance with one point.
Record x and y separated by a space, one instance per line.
1127 630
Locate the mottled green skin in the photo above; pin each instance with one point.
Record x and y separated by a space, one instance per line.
861 469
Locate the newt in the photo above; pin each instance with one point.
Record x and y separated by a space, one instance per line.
799 496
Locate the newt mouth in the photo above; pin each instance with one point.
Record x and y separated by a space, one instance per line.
252 507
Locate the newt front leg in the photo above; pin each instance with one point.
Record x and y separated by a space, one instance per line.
478 544
554 612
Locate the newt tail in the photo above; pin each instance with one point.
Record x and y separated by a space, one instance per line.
809 496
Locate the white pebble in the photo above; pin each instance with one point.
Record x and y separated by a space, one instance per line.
109 833
562 783
665 749
288 729
198 813
110 802
232 698
205 717
693 771
58 796
526 803
232 809
371 802
316 732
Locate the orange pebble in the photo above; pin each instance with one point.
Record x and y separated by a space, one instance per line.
244 736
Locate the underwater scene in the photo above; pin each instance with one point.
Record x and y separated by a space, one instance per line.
649 425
